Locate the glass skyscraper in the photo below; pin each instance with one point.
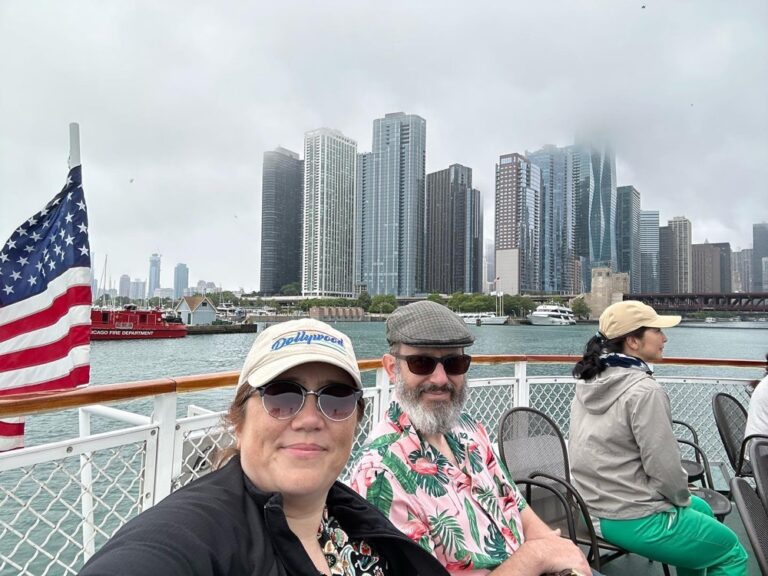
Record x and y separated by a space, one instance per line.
154 275
391 197
330 160
454 232
649 251
180 280
558 211
759 251
628 234
594 173
281 219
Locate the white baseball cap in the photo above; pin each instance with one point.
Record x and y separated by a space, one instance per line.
288 344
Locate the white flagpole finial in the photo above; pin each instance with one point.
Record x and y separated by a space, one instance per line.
74 145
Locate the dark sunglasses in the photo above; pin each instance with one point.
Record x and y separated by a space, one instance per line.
283 399
423 365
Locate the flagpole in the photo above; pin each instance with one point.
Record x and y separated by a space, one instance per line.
74 145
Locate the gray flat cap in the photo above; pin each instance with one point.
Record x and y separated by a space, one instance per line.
427 324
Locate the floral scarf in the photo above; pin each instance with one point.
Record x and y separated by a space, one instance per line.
347 558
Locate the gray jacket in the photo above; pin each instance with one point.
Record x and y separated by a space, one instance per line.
625 459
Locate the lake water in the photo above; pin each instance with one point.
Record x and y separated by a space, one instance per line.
124 361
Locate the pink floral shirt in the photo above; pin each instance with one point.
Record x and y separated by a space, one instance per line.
467 516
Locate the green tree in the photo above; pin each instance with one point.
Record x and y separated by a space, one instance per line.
580 308
383 304
292 289
435 297
517 305
363 301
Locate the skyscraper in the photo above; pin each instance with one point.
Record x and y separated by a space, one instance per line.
558 213
594 173
517 224
725 266
154 275
391 206
180 280
124 288
649 251
675 256
705 269
741 270
329 208
281 221
759 251
454 232
628 234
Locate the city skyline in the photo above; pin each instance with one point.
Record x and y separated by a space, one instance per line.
174 126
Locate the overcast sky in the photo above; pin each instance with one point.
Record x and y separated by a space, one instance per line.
177 101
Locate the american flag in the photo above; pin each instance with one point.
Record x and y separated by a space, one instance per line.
45 303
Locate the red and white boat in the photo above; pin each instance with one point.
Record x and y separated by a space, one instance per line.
132 323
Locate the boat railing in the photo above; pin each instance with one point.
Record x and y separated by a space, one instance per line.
61 500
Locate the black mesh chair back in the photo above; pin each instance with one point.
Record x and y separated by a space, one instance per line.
530 442
758 455
731 420
755 520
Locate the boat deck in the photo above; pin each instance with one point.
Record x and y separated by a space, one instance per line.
61 501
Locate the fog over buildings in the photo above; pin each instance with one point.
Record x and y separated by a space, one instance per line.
177 105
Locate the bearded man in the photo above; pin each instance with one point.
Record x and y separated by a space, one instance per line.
431 469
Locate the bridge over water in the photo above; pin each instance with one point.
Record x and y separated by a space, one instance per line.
755 302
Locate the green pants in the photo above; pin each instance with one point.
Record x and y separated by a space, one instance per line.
690 539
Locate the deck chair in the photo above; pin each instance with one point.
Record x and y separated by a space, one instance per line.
533 450
698 470
755 520
731 420
758 455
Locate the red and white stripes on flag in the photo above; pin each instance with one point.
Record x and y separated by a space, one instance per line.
45 303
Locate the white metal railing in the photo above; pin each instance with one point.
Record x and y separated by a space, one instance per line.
60 502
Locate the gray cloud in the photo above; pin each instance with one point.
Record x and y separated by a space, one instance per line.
184 97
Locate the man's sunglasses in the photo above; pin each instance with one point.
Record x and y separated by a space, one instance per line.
423 365
283 399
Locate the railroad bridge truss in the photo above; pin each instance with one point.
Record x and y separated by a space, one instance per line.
756 302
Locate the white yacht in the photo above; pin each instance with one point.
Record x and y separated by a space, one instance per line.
552 315
479 318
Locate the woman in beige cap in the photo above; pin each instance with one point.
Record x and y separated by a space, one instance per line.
625 459
275 508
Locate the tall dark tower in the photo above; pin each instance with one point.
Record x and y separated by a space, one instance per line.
281 219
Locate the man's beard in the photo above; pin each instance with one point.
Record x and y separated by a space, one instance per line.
438 417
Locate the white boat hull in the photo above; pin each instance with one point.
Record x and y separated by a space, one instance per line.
549 321
478 319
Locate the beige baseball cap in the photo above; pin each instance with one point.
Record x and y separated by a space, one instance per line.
625 317
287 344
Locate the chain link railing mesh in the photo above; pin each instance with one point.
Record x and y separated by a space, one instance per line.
41 514
41 517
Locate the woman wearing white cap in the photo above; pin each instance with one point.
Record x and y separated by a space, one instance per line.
275 508
625 459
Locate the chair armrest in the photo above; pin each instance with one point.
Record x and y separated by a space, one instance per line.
745 447
528 482
690 428
700 454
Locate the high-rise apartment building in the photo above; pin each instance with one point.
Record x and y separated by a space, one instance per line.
517 225
138 289
454 232
675 256
741 270
154 274
628 235
705 269
124 287
759 251
180 280
391 206
281 219
594 173
649 251
558 213
330 160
